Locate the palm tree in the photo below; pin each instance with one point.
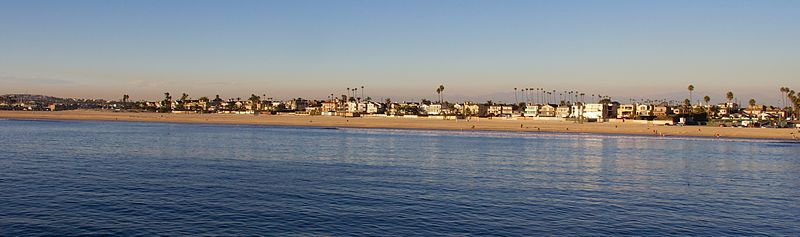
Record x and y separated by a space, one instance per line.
708 107
525 95
691 89
515 96
125 98
795 102
167 100
254 101
729 96
439 91
784 95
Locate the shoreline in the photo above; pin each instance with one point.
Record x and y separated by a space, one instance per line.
741 139
473 124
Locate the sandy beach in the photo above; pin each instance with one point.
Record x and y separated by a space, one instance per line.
483 124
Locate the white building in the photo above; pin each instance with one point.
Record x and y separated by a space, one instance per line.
467 108
373 108
563 111
531 110
432 109
627 111
644 110
599 112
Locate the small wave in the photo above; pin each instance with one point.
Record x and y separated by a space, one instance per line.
551 135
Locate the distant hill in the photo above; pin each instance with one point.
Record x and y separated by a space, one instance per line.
36 98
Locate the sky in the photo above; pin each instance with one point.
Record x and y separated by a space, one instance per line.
402 50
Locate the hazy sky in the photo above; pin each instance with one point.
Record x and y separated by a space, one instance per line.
398 49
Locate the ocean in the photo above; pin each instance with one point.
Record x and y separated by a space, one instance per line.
128 178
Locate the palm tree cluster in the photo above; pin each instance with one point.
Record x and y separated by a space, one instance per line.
531 95
793 99
352 94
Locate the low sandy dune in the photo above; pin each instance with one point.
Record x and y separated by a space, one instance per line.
416 123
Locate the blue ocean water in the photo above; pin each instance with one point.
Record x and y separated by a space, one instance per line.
124 178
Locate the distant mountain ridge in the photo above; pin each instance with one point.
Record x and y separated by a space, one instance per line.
30 97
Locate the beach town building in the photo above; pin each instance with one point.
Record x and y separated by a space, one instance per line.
564 111
662 111
775 112
507 110
754 111
373 107
467 108
313 107
576 110
353 107
644 110
626 111
600 111
431 109
547 110
499 110
407 108
726 109
330 106
447 108
531 110
297 104
392 108
594 111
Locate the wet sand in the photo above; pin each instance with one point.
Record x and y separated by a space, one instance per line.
483 124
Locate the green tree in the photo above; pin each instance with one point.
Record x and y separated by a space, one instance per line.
691 89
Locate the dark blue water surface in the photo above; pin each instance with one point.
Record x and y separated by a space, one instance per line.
121 178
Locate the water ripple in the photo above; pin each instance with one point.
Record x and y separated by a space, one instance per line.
119 178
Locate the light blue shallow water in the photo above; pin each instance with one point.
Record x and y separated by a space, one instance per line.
120 178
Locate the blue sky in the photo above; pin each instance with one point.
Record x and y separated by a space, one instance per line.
399 49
